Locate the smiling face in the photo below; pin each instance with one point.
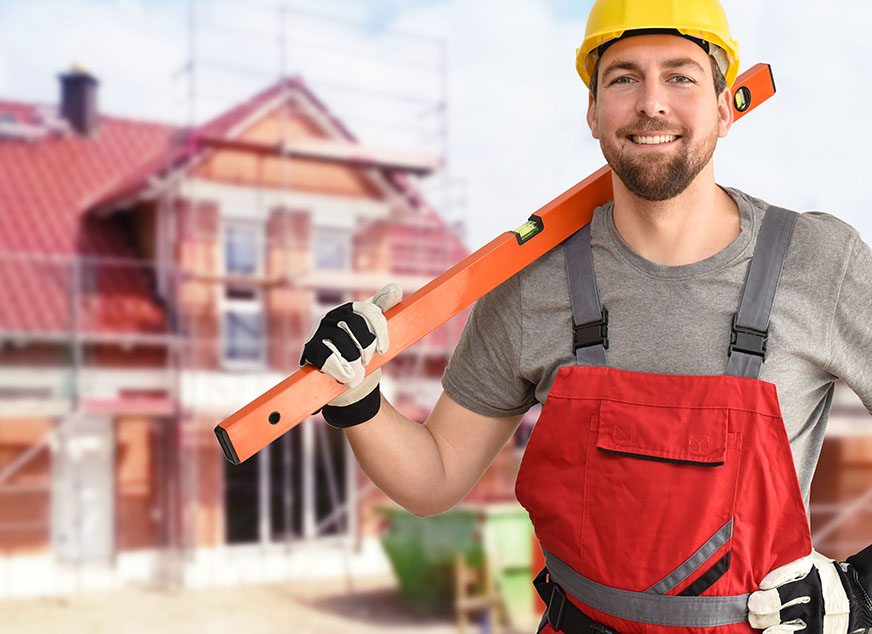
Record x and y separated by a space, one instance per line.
655 115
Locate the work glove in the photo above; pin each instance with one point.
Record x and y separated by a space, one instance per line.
814 595
342 342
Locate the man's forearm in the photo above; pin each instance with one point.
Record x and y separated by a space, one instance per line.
402 459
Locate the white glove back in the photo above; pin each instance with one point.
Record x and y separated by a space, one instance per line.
808 595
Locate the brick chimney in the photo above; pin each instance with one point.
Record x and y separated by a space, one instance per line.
79 100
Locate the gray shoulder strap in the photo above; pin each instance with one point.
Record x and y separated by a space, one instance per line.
750 325
750 330
590 319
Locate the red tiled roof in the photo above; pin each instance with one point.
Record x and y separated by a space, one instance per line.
46 187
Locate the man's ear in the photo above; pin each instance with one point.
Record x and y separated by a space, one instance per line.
725 112
591 116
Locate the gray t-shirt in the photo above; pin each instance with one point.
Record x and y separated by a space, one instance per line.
676 320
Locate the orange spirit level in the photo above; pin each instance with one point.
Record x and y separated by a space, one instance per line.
306 391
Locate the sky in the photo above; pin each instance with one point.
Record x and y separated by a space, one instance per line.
512 124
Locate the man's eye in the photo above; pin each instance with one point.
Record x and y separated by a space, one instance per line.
622 80
682 79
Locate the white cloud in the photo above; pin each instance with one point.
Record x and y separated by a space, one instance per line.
517 107
517 130
131 49
807 147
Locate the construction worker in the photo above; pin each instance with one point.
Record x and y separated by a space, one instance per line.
684 344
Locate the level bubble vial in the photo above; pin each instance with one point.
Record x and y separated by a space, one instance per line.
742 99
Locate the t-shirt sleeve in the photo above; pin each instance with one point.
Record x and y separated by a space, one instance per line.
850 338
483 374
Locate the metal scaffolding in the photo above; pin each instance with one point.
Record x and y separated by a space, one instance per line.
330 506
81 397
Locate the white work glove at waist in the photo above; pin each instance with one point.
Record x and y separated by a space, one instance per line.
812 595
342 342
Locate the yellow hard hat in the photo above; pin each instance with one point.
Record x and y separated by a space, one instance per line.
701 19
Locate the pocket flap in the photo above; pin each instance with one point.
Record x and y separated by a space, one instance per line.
672 434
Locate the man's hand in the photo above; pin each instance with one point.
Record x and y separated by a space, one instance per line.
812 595
342 343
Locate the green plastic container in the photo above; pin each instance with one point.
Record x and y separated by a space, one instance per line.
422 551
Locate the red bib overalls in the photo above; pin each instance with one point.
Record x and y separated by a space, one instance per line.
661 501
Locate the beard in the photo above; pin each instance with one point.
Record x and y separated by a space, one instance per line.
653 177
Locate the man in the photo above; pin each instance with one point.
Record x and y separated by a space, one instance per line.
685 345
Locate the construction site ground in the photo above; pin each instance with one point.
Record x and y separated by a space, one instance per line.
364 606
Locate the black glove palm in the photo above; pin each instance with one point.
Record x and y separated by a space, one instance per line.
342 343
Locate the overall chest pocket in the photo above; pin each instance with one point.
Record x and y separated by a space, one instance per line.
658 483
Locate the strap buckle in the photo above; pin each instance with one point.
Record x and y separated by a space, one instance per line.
594 333
556 607
748 340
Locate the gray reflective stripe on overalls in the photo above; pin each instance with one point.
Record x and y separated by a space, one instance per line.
746 354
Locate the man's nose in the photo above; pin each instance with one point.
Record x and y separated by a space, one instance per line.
652 99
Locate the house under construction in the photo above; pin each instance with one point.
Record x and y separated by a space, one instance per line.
153 280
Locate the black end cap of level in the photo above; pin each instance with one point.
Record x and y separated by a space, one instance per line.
226 445
772 77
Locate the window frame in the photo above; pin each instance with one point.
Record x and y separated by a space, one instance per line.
254 305
345 236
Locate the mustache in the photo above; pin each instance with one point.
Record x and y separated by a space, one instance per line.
652 125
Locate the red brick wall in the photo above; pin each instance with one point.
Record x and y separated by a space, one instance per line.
25 498
145 449
198 257
287 306
844 473
247 168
